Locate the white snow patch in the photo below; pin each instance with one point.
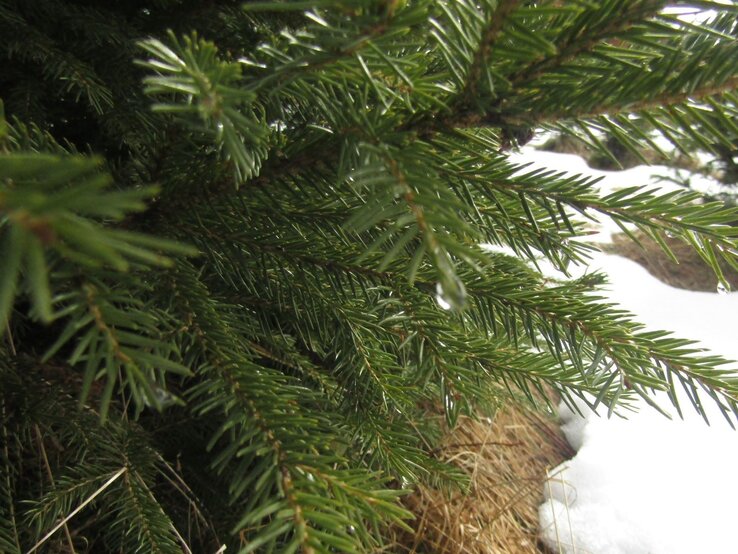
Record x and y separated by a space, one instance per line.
646 484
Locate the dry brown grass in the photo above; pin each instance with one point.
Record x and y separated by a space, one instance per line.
506 460
691 273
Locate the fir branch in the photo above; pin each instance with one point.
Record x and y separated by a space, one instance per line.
50 475
298 359
118 335
314 59
705 92
574 43
146 516
79 508
496 19
56 64
254 392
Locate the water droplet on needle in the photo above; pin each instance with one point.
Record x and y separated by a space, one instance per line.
451 294
440 297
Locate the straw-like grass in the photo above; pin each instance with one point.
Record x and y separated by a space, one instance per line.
506 459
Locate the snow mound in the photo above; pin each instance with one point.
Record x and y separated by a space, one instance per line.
647 484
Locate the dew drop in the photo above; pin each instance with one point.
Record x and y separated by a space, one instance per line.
440 298
450 404
351 530
162 398
165 398
452 295
722 289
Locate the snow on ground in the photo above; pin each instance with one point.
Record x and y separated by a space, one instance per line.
646 484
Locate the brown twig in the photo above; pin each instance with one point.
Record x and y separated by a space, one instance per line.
11 343
476 445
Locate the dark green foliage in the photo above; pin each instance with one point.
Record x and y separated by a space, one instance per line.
243 270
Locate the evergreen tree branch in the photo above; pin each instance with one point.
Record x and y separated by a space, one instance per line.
56 65
220 109
123 338
310 58
573 43
79 508
299 465
509 306
50 475
144 514
305 358
496 19
702 93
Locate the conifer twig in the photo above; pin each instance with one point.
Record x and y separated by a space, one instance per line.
79 508
575 48
645 104
493 29
41 446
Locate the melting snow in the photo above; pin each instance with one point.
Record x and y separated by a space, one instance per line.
646 484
